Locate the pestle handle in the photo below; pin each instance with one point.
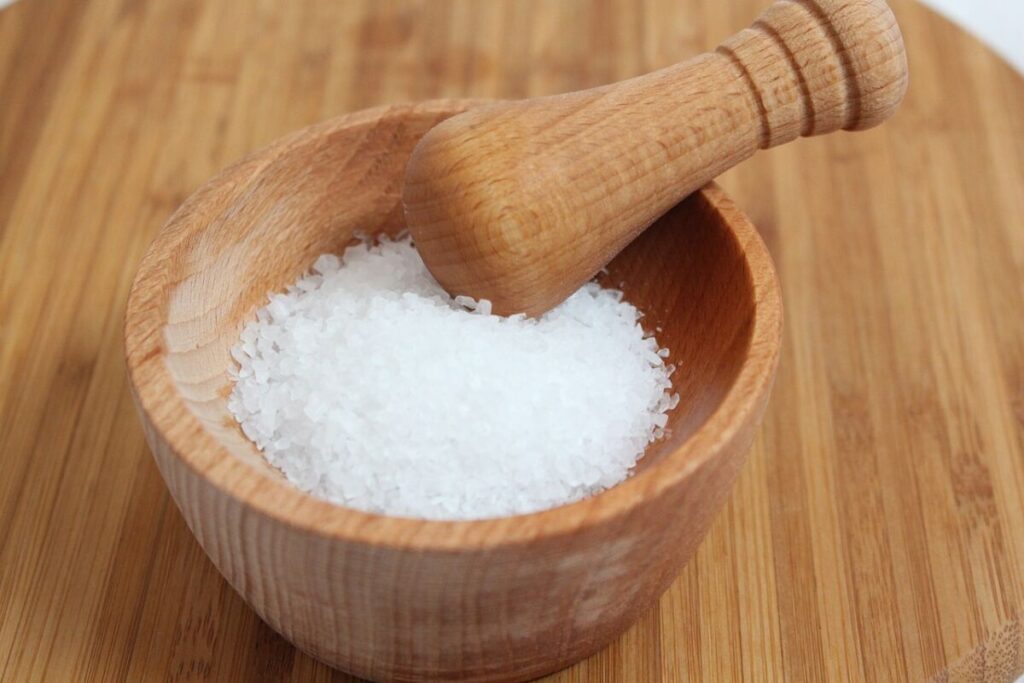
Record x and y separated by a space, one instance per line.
521 202
816 67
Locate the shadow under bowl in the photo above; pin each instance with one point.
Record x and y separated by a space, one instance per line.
392 598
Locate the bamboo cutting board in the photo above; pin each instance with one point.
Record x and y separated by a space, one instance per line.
877 532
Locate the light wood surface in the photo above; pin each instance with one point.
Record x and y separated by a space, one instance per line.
876 531
523 201
398 599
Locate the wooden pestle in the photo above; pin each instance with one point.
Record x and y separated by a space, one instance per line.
521 202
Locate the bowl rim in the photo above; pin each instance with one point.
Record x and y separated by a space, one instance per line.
170 421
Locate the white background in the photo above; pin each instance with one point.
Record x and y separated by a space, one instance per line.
1000 23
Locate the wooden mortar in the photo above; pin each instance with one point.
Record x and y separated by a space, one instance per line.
399 599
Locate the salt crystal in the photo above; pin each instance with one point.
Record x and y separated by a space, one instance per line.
369 386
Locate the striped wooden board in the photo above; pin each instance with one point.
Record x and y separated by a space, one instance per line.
877 532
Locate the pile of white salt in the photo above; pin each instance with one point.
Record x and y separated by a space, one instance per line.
368 386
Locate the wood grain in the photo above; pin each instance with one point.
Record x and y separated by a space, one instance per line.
877 530
521 202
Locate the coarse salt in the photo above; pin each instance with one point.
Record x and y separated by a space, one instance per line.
367 385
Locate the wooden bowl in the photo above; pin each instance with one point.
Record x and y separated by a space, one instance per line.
391 598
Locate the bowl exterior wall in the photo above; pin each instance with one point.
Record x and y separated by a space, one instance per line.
509 613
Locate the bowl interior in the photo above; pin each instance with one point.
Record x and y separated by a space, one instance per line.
689 276
259 225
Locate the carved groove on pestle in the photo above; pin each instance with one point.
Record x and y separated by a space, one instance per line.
853 94
809 121
764 135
